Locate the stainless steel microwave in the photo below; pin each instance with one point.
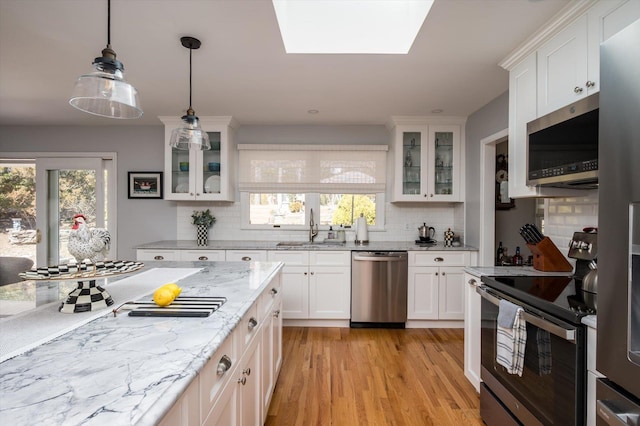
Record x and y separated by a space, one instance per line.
562 146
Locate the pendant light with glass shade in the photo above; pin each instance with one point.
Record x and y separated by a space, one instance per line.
190 135
104 91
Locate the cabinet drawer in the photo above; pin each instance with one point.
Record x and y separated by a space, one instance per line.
248 255
266 301
438 258
289 257
144 254
330 258
206 255
248 327
215 374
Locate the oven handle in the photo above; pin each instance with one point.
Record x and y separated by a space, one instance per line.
566 334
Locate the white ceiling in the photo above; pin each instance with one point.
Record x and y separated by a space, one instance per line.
242 70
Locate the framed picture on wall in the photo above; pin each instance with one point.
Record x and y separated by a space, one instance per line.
145 185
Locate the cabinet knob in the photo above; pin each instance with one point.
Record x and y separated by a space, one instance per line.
577 89
274 291
305 273
276 314
203 258
242 381
443 274
246 258
436 274
223 365
472 281
590 83
312 273
252 323
158 257
191 193
246 371
197 194
438 259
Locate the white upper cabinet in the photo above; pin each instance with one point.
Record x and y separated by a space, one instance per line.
557 66
522 109
201 175
427 161
562 68
569 63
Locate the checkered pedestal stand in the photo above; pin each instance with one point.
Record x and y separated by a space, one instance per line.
87 297
202 236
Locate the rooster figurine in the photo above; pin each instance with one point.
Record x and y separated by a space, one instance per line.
88 243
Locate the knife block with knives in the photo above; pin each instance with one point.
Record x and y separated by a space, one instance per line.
546 256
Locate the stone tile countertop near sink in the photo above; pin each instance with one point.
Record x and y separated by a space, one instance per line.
273 245
123 370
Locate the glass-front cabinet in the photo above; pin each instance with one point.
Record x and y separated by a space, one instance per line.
427 163
204 175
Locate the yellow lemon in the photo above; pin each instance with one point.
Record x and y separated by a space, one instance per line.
174 288
163 296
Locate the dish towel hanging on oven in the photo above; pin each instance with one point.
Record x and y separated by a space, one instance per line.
511 337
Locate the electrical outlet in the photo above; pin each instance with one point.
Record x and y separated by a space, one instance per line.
407 226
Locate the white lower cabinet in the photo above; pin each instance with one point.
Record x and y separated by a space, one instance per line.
246 255
236 385
315 284
152 254
436 285
472 302
206 255
592 375
186 411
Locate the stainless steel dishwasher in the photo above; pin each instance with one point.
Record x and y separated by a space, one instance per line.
378 289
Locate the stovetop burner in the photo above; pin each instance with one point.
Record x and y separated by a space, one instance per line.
558 295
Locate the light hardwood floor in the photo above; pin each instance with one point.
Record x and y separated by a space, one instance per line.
343 376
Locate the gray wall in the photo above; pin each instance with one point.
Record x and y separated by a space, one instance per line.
488 120
138 148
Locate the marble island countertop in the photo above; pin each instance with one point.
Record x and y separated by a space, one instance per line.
122 370
273 245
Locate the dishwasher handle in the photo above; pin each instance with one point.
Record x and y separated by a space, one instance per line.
564 333
382 257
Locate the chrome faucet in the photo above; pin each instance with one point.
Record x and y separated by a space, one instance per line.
312 232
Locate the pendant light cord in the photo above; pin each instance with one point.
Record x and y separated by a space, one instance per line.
190 72
109 23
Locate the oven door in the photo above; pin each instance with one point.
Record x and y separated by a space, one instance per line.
551 390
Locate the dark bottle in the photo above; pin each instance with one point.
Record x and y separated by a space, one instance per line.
517 258
499 254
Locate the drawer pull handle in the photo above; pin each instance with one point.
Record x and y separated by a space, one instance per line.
223 365
276 314
438 259
246 258
247 371
203 258
158 257
252 323
242 381
274 291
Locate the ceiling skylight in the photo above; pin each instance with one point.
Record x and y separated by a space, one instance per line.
350 26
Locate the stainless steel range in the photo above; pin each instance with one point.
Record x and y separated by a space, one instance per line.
552 388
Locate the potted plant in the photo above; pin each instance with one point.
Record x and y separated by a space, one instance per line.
203 220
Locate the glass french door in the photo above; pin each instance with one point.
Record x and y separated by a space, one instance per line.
65 187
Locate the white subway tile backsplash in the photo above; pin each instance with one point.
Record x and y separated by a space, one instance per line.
564 216
402 222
